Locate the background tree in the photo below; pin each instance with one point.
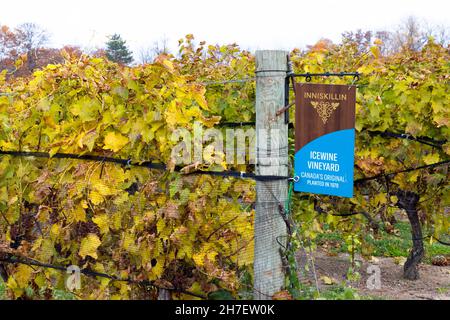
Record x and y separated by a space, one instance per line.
8 42
412 34
148 54
27 43
30 39
117 50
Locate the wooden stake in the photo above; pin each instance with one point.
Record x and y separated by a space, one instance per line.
271 159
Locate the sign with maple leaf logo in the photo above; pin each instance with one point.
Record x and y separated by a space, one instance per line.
325 138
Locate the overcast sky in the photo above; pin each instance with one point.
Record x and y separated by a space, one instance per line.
275 24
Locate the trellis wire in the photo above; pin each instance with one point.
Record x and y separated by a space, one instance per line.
31 262
159 166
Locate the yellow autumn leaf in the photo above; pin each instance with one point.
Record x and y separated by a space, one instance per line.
79 214
375 51
320 58
210 122
102 188
245 256
80 140
446 148
380 198
129 243
378 41
158 269
47 250
169 65
86 109
89 246
12 284
87 139
53 151
40 280
199 96
394 199
54 231
115 141
328 280
96 198
399 260
121 198
431 158
199 258
366 69
102 221
211 255
185 251
205 251
23 275
52 67
413 176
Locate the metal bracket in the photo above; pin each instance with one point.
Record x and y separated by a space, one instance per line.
308 76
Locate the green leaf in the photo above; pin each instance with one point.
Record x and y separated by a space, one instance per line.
220 295
86 109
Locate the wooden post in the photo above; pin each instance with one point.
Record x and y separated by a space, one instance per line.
271 159
164 294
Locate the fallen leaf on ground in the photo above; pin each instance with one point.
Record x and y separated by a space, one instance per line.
328 280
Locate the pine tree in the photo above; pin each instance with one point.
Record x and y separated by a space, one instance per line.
117 51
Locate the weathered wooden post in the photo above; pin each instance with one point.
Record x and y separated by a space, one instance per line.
272 160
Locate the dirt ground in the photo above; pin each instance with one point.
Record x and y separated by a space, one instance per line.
434 282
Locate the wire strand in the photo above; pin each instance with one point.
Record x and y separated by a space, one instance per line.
31 262
220 82
144 164
383 175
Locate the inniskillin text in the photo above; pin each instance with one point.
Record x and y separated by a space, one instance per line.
324 156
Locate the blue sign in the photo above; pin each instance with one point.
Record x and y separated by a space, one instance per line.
325 139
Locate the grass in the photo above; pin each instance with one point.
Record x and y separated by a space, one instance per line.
443 290
384 244
57 293
2 290
341 292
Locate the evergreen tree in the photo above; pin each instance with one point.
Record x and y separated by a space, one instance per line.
117 51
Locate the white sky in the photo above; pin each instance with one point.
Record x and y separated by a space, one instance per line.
275 24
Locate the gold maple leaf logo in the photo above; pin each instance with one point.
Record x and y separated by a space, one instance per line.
325 109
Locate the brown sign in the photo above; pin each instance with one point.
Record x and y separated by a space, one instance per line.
322 109
324 139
